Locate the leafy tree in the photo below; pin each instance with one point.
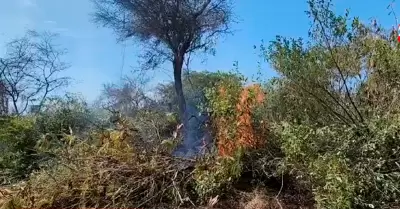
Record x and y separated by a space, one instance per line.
342 63
169 30
336 110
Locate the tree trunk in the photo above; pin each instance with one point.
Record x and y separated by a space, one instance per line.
178 64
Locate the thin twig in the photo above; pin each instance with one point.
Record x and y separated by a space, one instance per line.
393 12
338 66
280 190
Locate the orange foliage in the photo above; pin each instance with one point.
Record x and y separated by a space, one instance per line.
225 146
244 134
222 91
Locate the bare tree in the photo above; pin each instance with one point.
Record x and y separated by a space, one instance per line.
127 97
29 70
168 29
3 100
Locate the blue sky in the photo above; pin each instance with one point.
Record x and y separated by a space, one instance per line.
96 58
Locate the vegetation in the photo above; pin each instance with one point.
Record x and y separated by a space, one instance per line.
169 30
29 71
323 134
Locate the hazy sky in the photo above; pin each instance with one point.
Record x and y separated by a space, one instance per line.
96 58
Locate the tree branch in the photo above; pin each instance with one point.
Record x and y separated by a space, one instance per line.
337 66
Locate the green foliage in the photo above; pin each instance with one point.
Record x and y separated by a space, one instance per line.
222 99
195 85
347 167
314 155
26 140
230 85
18 137
215 177
333 114
335 110
67 114
339 73
375 158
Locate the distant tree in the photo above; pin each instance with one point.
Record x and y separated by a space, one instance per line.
3 100
126 97
168 29
29 69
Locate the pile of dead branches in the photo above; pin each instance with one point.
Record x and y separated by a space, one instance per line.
108 176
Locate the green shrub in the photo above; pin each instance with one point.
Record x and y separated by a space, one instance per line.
215 177
347 167
18 137
231 105
65 115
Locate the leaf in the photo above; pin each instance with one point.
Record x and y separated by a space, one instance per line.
167 142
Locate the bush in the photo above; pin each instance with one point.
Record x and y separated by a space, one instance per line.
18 137
233 107
347 167
66 114
216 176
